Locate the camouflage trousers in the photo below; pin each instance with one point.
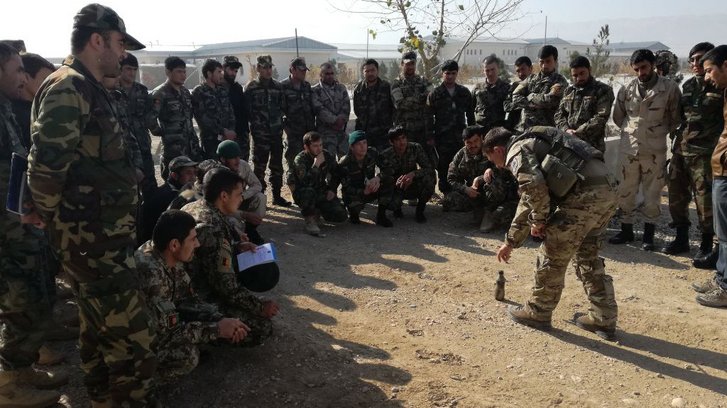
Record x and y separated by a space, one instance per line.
585 213
176 359
293 146
336 143
267 150
502 211
256 204
313 202
355 203
419 136
209 147
690 176
115 337
243 140
421 188
261 328
645 171
149 184
446 151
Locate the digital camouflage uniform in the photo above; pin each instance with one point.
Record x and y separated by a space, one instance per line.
534 96
266 102
84 187
450 114
213 113
374 111
299 116
312 184
353 176
576 227
213 271
410 104
689 168
120 104
392 166
173 110
489 101
331 102
142 117
240 110
586 110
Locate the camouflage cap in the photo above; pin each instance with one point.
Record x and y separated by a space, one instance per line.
667 60
299 63
232 62
181 162
103 18
409 56
265 61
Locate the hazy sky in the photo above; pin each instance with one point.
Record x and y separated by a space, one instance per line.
45 25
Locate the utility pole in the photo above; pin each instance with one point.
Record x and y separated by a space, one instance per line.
545 36
297 54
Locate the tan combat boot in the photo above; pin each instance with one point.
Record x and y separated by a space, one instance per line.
487 224
15 395
311 226
586 322
523 315
40 379
46 356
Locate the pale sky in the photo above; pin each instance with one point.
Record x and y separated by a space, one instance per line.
45 25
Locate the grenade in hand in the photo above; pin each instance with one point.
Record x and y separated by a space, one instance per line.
500 286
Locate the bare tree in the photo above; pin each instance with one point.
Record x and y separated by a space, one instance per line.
601 52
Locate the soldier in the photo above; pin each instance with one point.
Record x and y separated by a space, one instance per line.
37 70
266 102
194 191
299 116
689 169
231 66
213 268
212 109
409 93
489 97
313 178
252 210
586 105
23 306
714 291
478 185
332 107
452 108
111 83
141 118
181 320
523 69
406 173
87 199
667 65
539 95
357 175
646 110
373 106
552 167
172 104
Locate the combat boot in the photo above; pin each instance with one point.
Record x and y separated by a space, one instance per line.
40 379
626 235
279 200
522 315
705 247
381 218
14 394
680 244
714 298
419 214
647 240
586 322
707 262
311 226
253 235
706 286
48 357
353 217
487 224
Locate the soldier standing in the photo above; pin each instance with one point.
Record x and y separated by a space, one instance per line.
299 116
373 106
523 69
87 197
586 197
409 93
357 175
586 106
332 107
231 66
489 97
212 109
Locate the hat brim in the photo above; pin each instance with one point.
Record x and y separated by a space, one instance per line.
132 44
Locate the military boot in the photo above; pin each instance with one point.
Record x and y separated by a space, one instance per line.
715 298
419 214
706 286
15 394
311 226
680 244
586 322
488 223
253 235
279 200
626 235
707 262
523 315
381 218
647 240
705 247
353 217
48 357
40 379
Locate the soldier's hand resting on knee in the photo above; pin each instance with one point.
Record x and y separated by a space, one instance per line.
232 329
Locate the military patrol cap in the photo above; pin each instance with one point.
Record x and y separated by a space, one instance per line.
265 61
181 162
299 63
229 149
450 65
103 18
409 56
356 136
232 62
130 60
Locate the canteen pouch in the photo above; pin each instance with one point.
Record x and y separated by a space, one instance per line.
560 178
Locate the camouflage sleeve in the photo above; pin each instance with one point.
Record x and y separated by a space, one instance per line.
203 107
157 105
519 96
134 149
547 99
509 104
358 108
454 176
425 164
346 103
534 205
430 117
150 116
332 179
619 108
304 174
470 110
397 96
386 170
604 101
230 122
323 114
252 183
561 114
673 108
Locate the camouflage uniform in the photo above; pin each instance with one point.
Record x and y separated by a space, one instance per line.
331 102
142 117
534 97
574 229
586 110
120 104
213 113
410 101
313 183
451 113
353 176
489 101
393 166
213 271
240 110
689 168
173 110
514 114
266 102
299 117
84 187
374 111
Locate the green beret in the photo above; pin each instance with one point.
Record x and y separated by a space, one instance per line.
228 149
356 136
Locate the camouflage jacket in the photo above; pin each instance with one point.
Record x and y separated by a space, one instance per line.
410 101
514 115
299 116
352 174
534 97
703 117
239 107
465 167
174 116
414 159
450 113
142 116
80 174
189 193
586 110
166 288
322 178
373 107
212 111
266 104
120 104
10 142
213 269
489 100
330 102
